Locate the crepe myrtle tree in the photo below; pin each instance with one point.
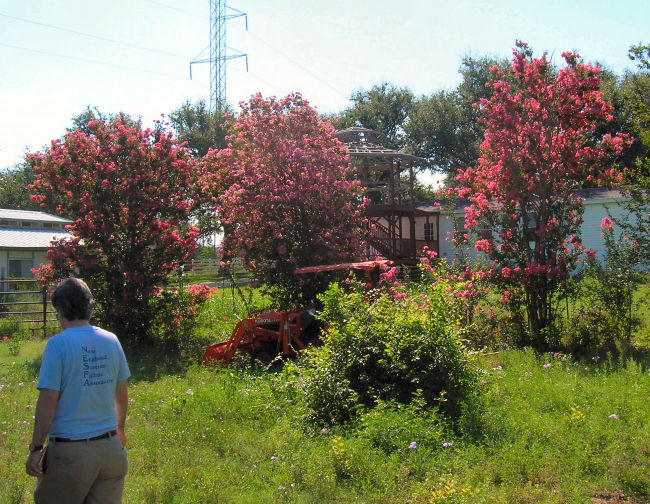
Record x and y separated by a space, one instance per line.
539 147
285 191
129 193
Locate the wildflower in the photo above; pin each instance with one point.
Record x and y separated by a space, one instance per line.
21 384
324 430
447 445
413 446
613 416
274 457
189 391
546 366
280 488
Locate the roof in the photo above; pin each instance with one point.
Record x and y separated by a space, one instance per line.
29 238
592 196
29 215
600 194
364 143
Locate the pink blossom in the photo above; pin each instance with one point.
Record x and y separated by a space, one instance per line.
607 223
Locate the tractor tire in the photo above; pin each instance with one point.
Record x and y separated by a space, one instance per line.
264 355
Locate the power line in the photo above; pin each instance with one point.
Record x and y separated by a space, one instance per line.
261 79
157 51
87 60
300 66
285 56
97 37
166 6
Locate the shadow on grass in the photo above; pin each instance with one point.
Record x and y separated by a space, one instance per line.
161 358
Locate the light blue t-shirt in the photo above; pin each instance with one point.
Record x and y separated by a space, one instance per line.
84 364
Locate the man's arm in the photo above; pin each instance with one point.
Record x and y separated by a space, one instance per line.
45 409
121 403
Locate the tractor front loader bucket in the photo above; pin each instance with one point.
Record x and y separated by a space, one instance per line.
241 336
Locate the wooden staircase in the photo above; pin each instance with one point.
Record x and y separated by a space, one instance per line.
383 242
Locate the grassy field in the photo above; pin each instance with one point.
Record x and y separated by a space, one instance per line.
544 429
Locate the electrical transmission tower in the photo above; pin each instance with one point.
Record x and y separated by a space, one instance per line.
219 15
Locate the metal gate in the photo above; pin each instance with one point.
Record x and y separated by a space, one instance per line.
27 300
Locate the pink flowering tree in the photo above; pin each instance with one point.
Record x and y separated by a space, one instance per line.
540 146
285 192
129 193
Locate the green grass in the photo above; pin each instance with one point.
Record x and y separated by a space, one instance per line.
539 431
536 435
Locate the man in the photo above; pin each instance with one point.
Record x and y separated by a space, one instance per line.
81 406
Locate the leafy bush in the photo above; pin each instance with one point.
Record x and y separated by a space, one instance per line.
384 347
13 333
472 300
608 316
177 313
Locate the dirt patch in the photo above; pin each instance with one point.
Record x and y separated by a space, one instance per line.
615 497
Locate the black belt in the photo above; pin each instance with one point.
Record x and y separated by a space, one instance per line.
67 440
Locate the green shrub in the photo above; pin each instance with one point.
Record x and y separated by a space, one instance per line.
177 312
395 427
608 319
387 347
13 333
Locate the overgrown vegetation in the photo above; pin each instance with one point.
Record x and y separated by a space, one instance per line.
384 347
422 392
13 333
547 430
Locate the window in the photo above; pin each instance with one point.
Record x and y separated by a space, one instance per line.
26 224
20 268
429 231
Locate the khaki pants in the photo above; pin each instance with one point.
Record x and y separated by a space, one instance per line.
89 472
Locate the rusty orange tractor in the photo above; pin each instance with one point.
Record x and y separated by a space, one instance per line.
266 335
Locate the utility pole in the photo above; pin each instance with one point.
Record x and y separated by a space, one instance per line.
219 15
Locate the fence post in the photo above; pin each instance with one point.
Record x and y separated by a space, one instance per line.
44 312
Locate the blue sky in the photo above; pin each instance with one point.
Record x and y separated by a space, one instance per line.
134 55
